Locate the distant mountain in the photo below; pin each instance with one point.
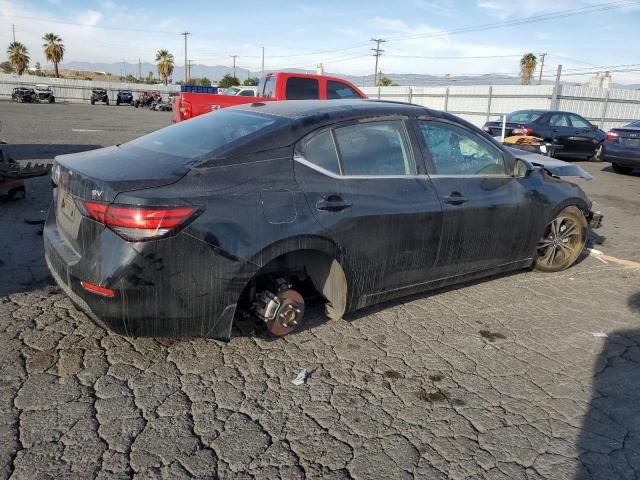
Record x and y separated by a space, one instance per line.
216 72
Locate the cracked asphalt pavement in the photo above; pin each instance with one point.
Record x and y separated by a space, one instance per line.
523 376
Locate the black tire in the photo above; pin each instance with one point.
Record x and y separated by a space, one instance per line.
621 169
92 101
52 99
136 103
562 241
598 153
117 103
106 102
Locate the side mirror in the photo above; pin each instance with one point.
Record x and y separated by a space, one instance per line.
522 168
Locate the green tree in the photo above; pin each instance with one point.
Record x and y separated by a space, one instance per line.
528 64
18 57
228 81
5 67
250 82
385 81
164 63
53 50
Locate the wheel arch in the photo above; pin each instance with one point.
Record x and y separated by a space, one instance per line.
322 261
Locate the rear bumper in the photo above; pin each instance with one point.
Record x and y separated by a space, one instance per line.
621 155
158 292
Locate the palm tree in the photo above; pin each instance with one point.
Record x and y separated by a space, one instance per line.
164 63
53 50
528 64
18 57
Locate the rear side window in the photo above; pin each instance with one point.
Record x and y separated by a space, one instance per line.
205 134
302 89
523 117
559 120
376 148
269 90
338 90
321 151
247 93
634 124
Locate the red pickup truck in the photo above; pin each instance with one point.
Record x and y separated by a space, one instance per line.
274 86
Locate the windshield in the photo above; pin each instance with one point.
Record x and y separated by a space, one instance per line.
205 134
524 116
231 91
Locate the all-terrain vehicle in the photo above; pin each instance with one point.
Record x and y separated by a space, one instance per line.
124 96
44 94
23 95
99 95
147 99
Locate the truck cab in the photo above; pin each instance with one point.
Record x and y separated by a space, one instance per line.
277 86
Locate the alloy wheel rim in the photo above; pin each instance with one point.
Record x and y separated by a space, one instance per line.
560 241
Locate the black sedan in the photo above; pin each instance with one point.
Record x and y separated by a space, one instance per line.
622 148
576 136
248 208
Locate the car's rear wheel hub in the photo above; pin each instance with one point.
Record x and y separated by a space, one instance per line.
282 312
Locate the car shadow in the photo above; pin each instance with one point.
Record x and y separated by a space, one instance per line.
609 169
609 440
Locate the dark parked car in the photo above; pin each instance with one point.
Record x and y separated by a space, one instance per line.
245 208
124 96
44 94
578 137
99 95
622 148
23 95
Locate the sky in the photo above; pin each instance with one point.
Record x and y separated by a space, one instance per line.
303 33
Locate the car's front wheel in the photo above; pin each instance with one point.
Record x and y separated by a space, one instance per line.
621 168
598 153
562 242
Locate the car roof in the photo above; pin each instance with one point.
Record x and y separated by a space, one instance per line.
322 110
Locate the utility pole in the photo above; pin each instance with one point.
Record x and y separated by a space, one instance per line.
190 62
542 55
13 27
234 64
139 69
377 54
262 71
556 89
186 63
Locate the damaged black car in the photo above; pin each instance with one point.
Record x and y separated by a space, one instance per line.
245 208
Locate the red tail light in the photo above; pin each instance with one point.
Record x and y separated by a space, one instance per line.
613 137
522 131
140 223
98 290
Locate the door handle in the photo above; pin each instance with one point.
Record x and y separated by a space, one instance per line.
332 203
455 199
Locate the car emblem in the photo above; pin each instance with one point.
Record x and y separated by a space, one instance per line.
96 193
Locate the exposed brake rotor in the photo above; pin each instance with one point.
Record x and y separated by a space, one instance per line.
282 311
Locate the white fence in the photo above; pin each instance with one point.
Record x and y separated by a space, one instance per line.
607 108
68 90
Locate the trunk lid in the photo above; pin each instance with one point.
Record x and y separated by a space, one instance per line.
629 136
99 176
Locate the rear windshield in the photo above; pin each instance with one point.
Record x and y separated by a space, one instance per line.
524 117
205 134
635 124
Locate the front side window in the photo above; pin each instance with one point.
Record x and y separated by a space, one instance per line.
321 151
339 90
559 120
579 122
457 151
299 88
247 93
375 148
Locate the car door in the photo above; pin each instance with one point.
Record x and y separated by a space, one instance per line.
487 219
362 185
562 132
585 135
